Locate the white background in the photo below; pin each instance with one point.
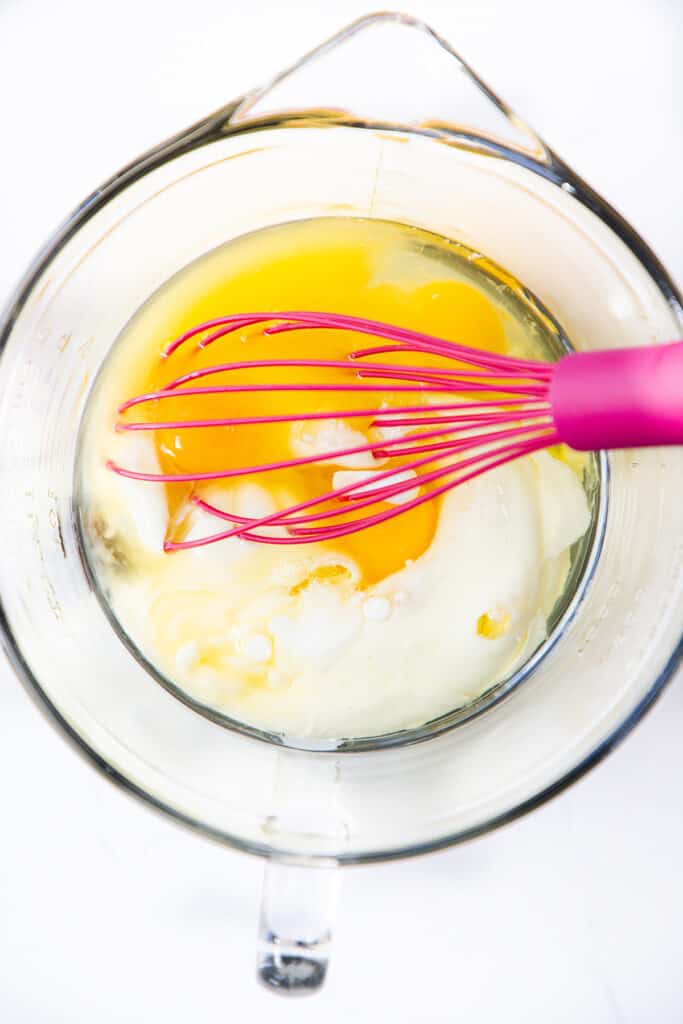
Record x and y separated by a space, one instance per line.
110 914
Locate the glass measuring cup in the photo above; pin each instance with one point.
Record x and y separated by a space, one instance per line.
383 121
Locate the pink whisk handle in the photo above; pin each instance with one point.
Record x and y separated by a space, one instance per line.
623 398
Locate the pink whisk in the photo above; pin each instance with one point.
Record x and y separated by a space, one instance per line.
596 400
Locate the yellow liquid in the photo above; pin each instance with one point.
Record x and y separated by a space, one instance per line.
374 269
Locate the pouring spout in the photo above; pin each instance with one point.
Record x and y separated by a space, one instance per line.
393 70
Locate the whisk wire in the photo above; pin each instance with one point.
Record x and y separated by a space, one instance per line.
502 412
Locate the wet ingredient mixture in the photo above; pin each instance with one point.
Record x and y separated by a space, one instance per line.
372 632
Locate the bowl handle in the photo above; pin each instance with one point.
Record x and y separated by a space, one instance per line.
295 929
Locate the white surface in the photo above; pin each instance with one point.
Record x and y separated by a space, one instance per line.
110 914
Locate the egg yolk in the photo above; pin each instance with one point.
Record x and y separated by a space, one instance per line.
326 273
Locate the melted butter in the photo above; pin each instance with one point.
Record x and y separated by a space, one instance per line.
493 626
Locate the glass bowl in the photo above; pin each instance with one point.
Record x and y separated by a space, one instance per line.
385 121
